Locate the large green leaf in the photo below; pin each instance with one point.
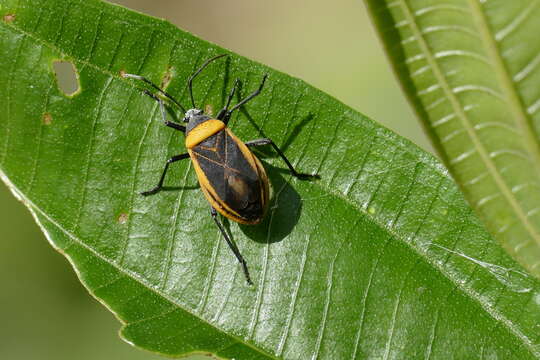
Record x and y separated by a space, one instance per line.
381 258
471 68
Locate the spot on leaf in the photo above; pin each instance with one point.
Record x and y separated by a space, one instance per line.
167 78
209 110
47 119
9 18
123 218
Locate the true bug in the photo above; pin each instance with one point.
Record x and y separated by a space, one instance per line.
232 179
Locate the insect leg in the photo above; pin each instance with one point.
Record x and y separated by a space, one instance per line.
168 123
249 97
260 142
160 184
190 80
222 112
163 92
232 245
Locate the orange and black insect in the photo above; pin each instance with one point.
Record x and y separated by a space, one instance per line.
232 179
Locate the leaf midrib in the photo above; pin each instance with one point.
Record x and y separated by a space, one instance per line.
489 310
515 102
490 166
507 84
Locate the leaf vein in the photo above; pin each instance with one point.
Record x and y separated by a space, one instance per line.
90 151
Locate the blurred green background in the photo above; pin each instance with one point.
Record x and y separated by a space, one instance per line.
45 311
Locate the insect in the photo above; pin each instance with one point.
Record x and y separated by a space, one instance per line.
231 177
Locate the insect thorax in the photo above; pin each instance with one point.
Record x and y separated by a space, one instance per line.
195 117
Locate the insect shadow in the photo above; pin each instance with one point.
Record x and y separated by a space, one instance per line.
290 139
285 205
283 211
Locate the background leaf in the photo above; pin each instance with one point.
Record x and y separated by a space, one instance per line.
344 267
471 69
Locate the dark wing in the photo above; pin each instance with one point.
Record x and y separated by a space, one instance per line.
231 175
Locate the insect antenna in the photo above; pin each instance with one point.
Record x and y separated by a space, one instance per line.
160 90
190 81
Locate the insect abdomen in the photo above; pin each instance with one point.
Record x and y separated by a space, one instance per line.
231 177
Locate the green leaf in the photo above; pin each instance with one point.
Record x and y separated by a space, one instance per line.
380 258
471 69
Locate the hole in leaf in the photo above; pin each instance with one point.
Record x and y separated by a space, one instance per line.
47 119
67 77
